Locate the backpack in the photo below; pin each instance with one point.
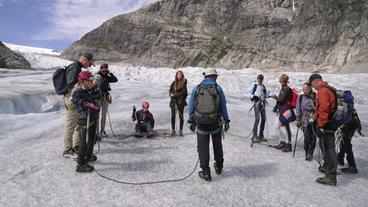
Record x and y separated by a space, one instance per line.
207 105
293 99
344 107
59 81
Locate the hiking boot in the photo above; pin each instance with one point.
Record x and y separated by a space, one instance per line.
255 139
218 170
103 134
180 133
340 162
76 149
138 134
327 180
349 170
262 138
93 158
98 138
173 133
321 169
150 134
84 168
281 145
205 176
309 157
69 153
287 148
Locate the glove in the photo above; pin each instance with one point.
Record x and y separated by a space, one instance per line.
92 106
227 126
255 98
192 125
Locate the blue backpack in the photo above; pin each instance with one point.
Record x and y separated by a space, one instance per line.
344 107
59 81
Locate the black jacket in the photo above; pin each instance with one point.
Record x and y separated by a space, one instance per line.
106 80
84 102
180 95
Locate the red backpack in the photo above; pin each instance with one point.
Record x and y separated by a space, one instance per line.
294 98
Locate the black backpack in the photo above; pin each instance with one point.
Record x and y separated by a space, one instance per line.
59 81
207 105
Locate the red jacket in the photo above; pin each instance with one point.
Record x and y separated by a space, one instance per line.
326 105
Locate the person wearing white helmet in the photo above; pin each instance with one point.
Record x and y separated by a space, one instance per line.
207 108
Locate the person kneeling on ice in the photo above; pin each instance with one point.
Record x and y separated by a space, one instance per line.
145 121
88 110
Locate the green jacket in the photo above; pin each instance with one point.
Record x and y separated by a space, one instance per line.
72 72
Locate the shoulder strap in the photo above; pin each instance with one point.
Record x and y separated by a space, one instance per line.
254 88
300 102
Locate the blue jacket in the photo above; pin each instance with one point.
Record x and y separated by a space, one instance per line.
208 81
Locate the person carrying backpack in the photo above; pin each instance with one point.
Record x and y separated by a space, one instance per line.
325 107
347 132
283 99
107 78
88 110
257 93
305 110
71 139
178 95
207 106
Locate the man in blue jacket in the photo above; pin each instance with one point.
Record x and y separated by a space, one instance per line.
207 108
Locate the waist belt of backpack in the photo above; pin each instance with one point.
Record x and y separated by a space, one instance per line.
209 132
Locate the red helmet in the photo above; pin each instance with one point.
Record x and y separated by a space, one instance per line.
145 105
85 75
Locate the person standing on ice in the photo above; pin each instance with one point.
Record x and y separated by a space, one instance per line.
178 95
88 110
257 93
107 78
207 108
305 111
325 107
71 138
283 99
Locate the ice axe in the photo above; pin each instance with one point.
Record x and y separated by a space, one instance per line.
296 140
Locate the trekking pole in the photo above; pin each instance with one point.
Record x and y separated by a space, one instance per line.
296 140
251 108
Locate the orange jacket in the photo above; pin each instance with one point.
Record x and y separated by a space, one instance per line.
326 105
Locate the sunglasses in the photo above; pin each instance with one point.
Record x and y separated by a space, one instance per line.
104 71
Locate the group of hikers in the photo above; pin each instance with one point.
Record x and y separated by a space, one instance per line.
88 98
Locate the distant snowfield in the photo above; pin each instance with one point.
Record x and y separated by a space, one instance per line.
34 173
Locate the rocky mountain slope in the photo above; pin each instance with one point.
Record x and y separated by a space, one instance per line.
266 34
10 59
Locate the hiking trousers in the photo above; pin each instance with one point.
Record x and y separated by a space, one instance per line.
309 139
260 115
346 147
329 153
203 141
71 138
86 142
180 110
284 132
104 107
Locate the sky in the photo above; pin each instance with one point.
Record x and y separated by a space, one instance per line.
56 24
